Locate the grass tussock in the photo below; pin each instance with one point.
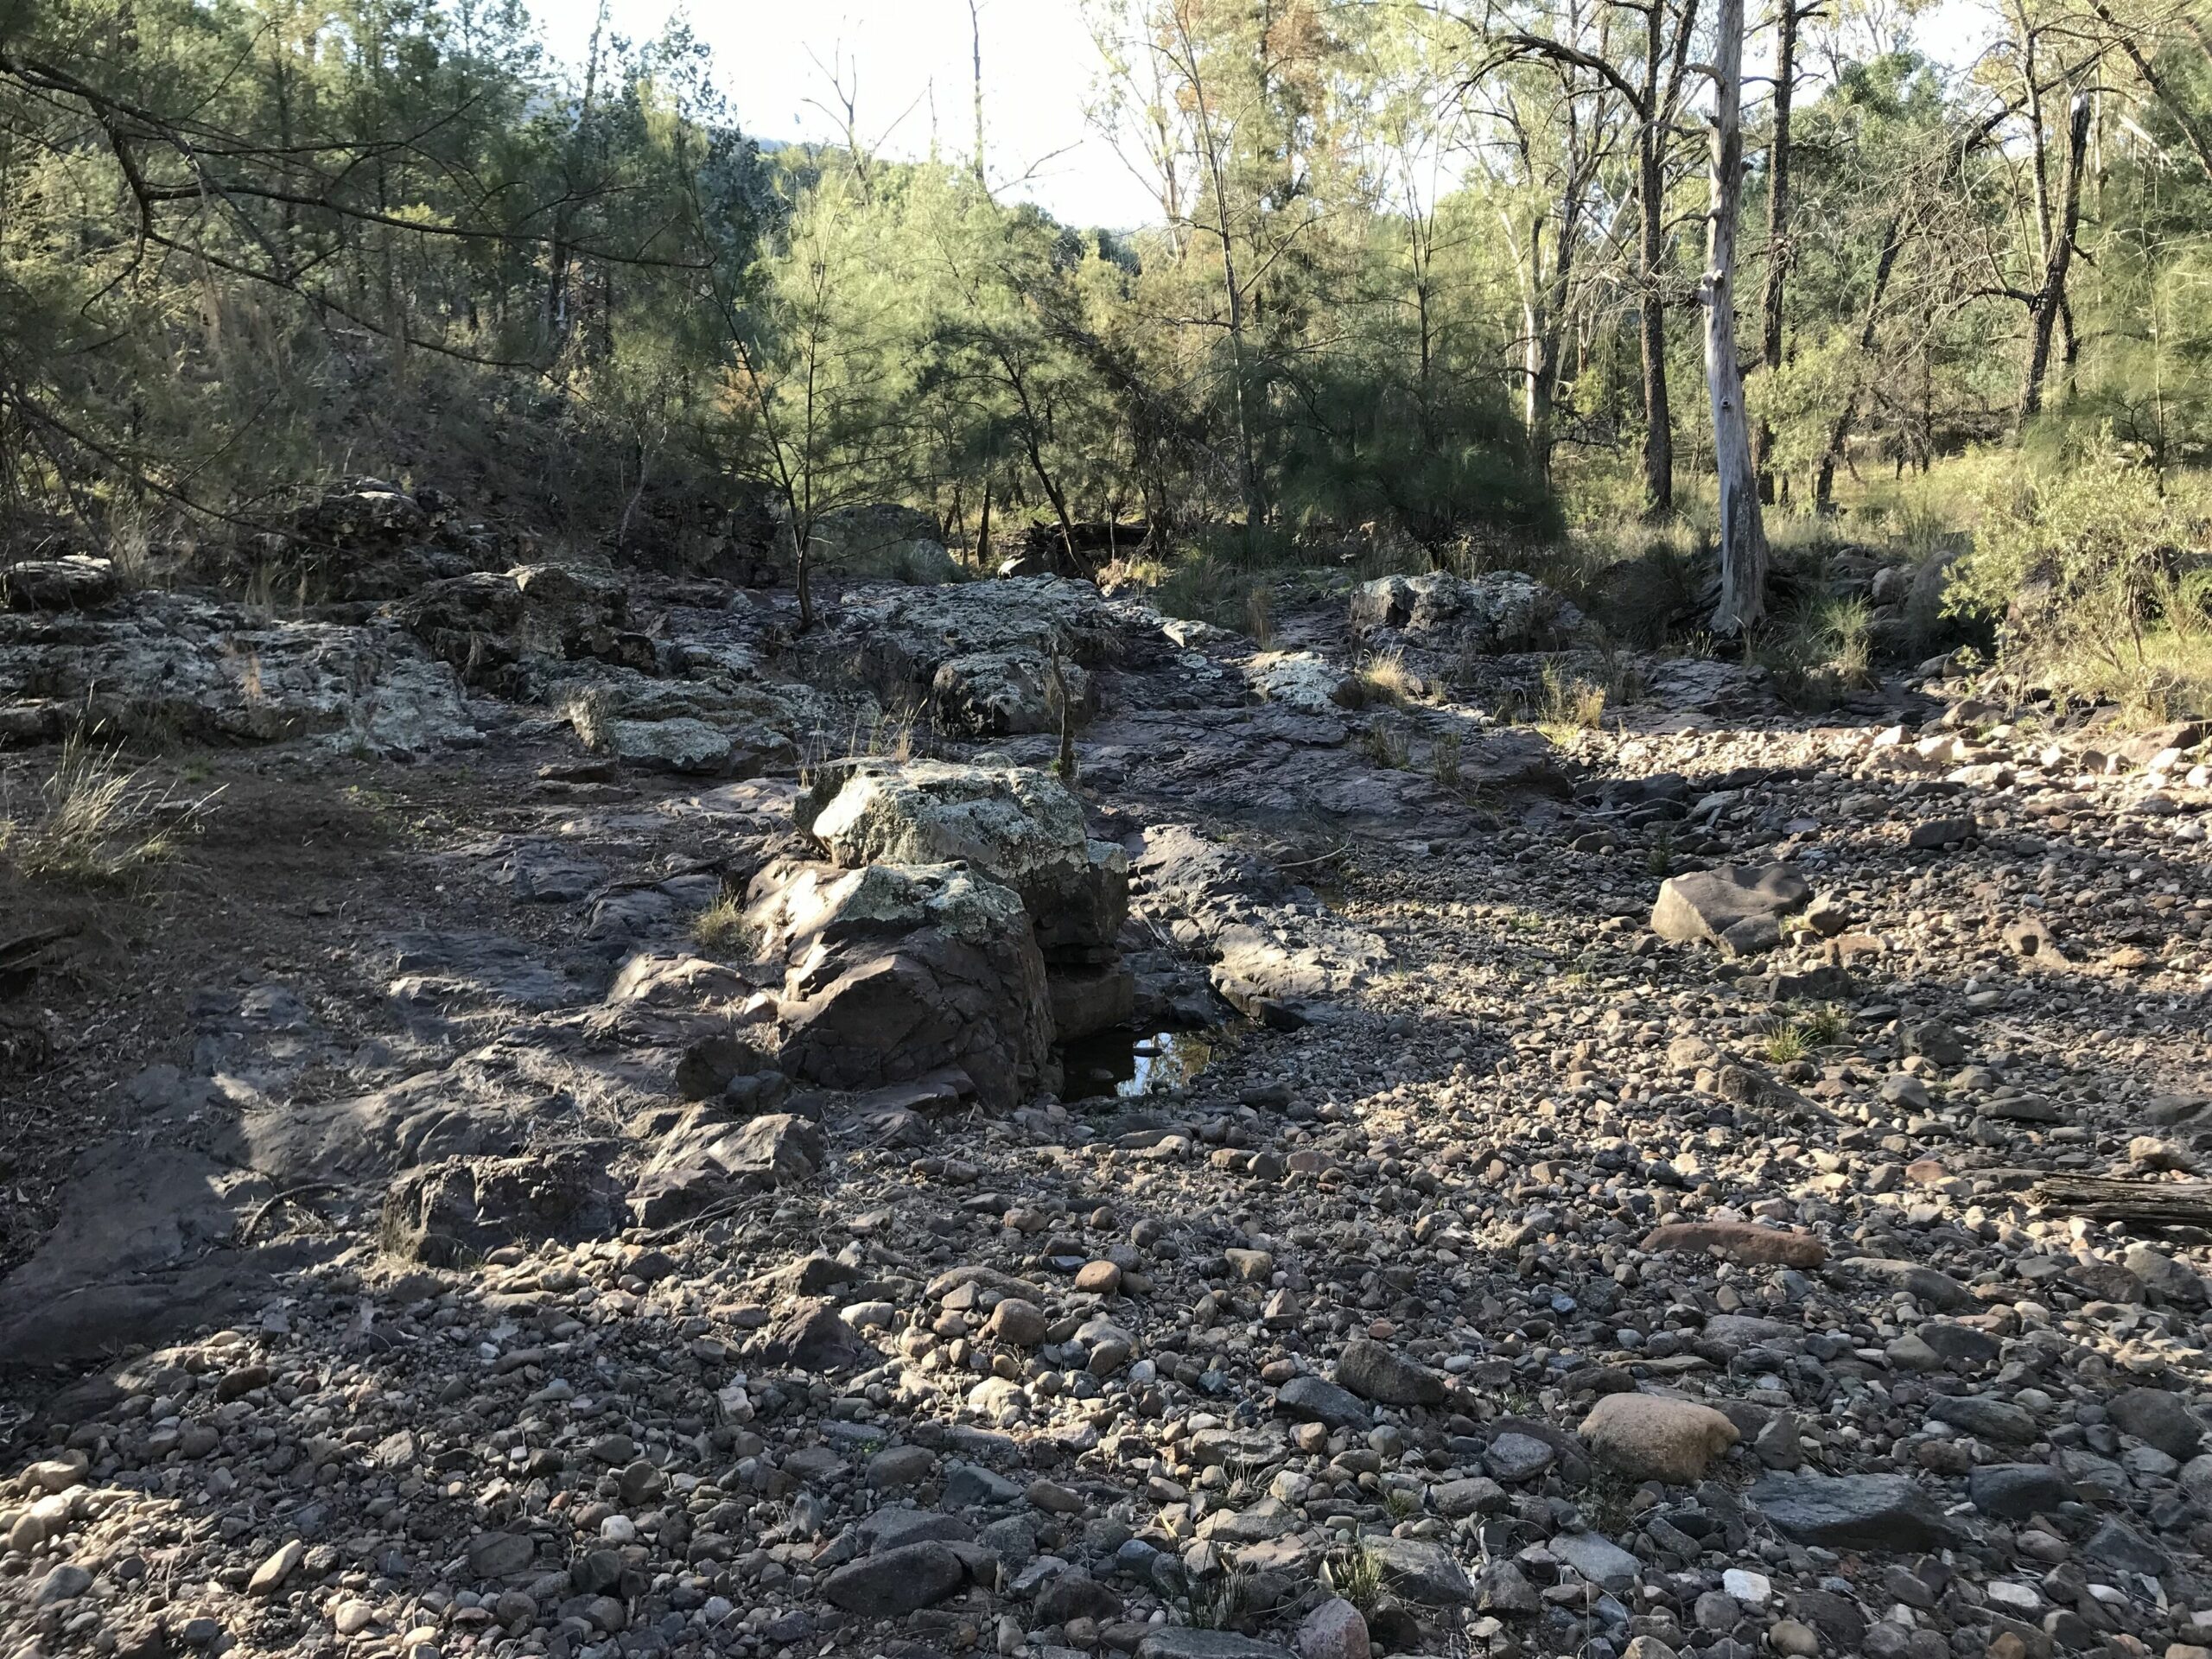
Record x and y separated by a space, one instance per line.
1443 759
721 927
1387 744
1819 653
94 822
1799 1037
1386 679
1356 1575
1565 705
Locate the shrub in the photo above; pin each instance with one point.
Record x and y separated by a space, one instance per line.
2090 559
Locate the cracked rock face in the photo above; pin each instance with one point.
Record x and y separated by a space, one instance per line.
446 1214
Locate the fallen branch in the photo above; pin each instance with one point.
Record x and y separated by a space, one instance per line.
268 1206
2159 1204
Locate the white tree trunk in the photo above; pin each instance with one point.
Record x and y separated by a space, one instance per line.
1743 536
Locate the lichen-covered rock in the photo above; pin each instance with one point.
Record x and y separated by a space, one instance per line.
175 668
1303 680
715 726
893 641
1015 826
1007 693
74 582
489 625
1502 611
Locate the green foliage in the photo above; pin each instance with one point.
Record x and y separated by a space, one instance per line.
1818 650
2091 557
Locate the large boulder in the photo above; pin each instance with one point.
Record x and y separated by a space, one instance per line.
1740 908
76 582
894 641
1501 612
1007 693
488 624
462 1207
1012 825
897 972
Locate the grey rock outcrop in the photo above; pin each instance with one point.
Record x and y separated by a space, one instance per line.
1013 826
1500 612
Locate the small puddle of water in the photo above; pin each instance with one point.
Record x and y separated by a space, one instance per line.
1128 1064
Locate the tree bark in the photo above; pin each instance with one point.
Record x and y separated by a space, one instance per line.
1777 221
1743 536
1651 313
2058 255
2160 88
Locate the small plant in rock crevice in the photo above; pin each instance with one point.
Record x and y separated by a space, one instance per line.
1217 1604
1386 744
1784 1044
1443 759
721 925
1356 1575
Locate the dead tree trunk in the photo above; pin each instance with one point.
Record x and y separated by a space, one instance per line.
1742 535
1777 220
1651 245
2045 304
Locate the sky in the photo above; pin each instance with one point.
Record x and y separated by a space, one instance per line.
908 60
1038 63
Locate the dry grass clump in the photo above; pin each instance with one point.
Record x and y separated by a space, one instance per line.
1820 651
721 925
1565 705
95 823
1387 679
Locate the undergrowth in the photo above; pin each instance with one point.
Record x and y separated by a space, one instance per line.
95 823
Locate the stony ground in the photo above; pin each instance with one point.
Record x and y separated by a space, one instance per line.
1540 1285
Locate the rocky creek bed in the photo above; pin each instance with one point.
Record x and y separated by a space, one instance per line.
431 1237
